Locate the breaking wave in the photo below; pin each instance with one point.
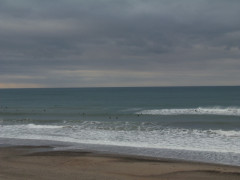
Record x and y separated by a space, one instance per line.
229 111
34 126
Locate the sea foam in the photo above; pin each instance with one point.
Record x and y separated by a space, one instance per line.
34 126
229 111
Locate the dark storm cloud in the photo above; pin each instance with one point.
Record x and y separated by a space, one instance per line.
97 43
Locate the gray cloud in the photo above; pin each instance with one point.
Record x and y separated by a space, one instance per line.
122 43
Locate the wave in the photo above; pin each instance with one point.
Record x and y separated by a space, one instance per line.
229 133
170 138
127 127
229 111
34 126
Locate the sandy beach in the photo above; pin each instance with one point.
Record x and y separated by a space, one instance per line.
27 162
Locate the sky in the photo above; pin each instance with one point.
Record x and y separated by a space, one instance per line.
116 43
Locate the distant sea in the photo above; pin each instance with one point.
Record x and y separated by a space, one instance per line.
191 123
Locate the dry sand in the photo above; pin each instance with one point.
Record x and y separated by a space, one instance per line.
25 163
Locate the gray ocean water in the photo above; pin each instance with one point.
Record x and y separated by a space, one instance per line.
192 123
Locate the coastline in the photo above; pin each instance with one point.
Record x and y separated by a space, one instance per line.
218 158
42 162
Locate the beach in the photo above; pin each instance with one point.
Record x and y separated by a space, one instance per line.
187 123
32 162
120 133
119 90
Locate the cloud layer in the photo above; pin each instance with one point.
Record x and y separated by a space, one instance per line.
119 43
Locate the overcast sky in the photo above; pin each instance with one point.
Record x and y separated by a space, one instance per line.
95 43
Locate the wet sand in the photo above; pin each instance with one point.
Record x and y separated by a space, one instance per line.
26 162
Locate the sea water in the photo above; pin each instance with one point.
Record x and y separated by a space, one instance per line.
191 123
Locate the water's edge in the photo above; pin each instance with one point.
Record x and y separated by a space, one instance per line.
218 158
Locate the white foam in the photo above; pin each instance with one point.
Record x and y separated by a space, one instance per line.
34 126
169 138
230 133
229 111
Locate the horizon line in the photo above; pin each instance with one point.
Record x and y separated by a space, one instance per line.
120 87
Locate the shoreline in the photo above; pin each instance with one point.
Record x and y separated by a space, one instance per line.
206 157
149 153
41 162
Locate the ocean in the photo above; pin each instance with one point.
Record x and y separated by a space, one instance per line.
189 123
